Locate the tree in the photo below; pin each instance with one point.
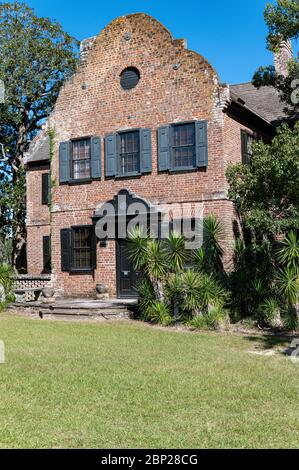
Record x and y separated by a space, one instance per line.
36 57
266 192
282 20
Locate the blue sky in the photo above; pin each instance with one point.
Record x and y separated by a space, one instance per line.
230 34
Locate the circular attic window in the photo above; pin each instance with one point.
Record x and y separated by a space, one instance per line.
129 78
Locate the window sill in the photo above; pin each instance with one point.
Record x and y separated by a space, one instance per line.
128 175
183 170
82 271
81 181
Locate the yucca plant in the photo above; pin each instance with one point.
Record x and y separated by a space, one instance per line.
288 285
175 252
208 258
288 254
137 247
217 318
212 234
211 293
270 313
146 296
199 260
185 289
159 312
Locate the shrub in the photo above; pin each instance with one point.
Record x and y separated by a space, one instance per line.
270 313
290 319
215 319
196 293
159 312
6 282
146 296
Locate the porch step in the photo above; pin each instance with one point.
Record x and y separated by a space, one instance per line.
87 308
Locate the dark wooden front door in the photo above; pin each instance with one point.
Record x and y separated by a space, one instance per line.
127 277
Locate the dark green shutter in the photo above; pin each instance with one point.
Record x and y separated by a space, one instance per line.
244 146
47 254
96 163
93 248
45 188
163 148
66 249
201 139
110 156
145 151
65 162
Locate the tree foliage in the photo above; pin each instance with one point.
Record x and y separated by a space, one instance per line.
282 20
266 192
36 57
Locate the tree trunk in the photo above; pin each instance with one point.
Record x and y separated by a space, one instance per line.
19 205
159 290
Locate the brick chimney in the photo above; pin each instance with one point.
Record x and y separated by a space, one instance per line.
85 47
283 57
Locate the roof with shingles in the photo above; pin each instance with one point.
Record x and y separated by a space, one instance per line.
264 101
40 148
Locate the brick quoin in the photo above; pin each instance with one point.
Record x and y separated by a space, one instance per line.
93 103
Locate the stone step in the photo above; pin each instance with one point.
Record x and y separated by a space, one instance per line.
111 312
105 314
87 306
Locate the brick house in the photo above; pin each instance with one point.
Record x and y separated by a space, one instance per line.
146 118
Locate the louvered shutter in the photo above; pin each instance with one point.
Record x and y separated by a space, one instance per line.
164 148
145 151
47 254
66 249
201 138
45 188
111 155
96 163
64 162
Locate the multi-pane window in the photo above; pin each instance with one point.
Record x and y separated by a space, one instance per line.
247 141
81 168
183 146
129 153
82 248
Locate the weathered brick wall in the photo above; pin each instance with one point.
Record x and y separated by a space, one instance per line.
38 219
37 214
93 103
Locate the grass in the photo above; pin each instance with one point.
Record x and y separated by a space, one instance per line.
125 385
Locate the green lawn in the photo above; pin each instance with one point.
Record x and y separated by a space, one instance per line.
69 385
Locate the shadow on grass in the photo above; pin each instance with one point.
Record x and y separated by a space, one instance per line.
281 344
